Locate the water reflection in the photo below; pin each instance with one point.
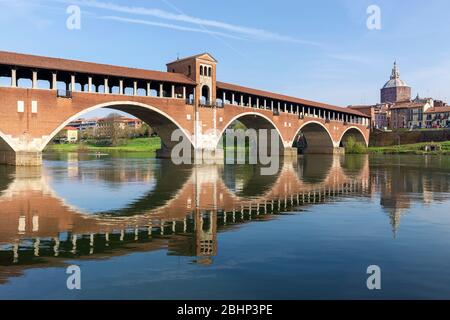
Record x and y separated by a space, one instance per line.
67 209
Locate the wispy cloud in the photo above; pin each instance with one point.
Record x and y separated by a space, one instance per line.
22 10
169 26
350 58
230 29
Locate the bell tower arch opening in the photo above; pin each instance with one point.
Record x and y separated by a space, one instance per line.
206 95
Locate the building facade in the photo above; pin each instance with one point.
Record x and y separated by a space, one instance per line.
397 110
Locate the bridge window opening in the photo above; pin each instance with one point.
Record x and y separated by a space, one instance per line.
167 90
83 82
24 78
101 88
115 89
5 78
114 85
25 83
210 72
141 92
44 84
179 92
201 70
153 93
78 87
128 91
61 85
5 81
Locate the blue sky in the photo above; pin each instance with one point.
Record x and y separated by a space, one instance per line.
319 50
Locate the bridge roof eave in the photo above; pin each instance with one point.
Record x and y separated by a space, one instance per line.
74 66
281 97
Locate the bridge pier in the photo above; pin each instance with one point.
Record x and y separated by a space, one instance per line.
291 153
20 158
203 155
197 156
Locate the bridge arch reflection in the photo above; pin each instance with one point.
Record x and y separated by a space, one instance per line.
183 217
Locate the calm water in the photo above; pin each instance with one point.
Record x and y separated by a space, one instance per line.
141 228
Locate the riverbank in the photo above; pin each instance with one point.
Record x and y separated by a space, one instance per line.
443 148
131 145
150 145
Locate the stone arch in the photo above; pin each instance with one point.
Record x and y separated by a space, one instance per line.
314 138
7 150
254 120
162 123
354 132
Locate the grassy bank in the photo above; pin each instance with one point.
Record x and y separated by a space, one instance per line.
416 148
131 145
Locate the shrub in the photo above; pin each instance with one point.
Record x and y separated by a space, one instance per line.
354 147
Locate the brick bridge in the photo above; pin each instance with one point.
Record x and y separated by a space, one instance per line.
42 95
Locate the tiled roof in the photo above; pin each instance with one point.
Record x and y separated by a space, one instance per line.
280 97
408 105
71 128
438 110
32 61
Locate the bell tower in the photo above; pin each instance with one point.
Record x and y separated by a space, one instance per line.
202 69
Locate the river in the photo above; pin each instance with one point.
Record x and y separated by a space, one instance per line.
142 228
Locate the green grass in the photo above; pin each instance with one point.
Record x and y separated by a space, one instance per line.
416 148
131 145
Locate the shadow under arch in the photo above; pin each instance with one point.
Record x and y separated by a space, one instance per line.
313 138
247 180
5 148
163 124
314 168
356 134
255 121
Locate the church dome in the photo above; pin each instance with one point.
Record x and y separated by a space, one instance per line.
395 80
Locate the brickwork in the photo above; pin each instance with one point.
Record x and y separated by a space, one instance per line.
32 117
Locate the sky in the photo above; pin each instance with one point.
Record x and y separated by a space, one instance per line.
319 50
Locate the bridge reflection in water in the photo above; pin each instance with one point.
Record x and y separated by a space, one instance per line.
186 206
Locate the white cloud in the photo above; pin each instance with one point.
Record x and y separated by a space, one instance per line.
24 11
253 33
169 26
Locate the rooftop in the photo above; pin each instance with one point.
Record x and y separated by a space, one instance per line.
276 96
438 110
395 80
32 61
